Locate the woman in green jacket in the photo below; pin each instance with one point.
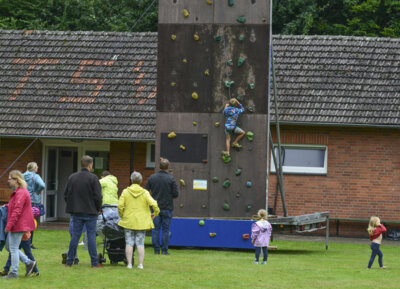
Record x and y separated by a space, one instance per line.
136 217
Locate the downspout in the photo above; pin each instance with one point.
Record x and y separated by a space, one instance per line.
131 161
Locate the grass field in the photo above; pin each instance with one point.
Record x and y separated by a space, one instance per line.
293 265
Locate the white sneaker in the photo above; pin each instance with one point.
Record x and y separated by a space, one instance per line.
140 266
81 243
129 266
255 262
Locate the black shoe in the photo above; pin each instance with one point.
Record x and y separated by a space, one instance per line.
76 261
64 258
3 273
157 252
165 253
11 276
33 247
29 268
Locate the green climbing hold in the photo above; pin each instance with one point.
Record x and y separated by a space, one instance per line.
249 184
218 38
231 3
250 108
226 158
249 207
201 222
229 83
250 135
252 85
238 195
241 37
240 61
241 19
238 172
229 62
215 180
226 207
239 97
226 184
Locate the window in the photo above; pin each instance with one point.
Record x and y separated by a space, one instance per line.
150 155
101 161
302 159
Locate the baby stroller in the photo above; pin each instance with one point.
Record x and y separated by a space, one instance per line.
112 234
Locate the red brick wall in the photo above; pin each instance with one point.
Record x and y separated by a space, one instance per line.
120 158
10 149
363 174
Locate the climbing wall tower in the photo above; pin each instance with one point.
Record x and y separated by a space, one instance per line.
208 52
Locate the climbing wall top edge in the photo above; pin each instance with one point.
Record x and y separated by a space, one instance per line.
239 12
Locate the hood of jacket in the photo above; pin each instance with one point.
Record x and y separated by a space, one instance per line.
111 179
263 225
135 190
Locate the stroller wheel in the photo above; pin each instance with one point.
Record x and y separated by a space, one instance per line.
101 258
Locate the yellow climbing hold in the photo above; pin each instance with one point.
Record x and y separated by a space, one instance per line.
173 36
184 60
217 124
209 2
206 72
196 36
195 96
185 13
194 123
182 182
173 83
172 135
182 147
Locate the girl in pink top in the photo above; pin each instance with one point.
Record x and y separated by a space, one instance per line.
260 234
375 230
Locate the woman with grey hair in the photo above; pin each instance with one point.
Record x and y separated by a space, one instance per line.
136 218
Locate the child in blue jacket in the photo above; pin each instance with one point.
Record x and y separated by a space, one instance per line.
231 112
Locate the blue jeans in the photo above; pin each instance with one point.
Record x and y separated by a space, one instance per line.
265 252
162 221
26 246
375 251
78 221
12 246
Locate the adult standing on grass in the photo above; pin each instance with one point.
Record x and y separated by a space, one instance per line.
19 220
136 218
163 189
35 186
83 197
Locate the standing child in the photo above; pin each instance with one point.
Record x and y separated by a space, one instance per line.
231 112
375 230
260 234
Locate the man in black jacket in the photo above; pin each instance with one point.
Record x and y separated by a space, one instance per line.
163 189
83 197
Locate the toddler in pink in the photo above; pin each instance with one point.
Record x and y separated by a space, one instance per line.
260 234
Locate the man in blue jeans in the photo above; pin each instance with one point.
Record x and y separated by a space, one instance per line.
163 189
83 197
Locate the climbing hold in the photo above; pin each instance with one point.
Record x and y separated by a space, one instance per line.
206 72
249 207
172 134
182 182
195 96
229 83
215 180
185 13
217 124
250 135
173 83
226 207
252 85
182 147
213 234
250 108
239 97
203 206
196 36
240 61
181 205
229 62
226 184
194 123
238 195
226 159
249 184
173 36
184 60
238 172
204 161
241 37
241 19
218 38
201 223
209 2
246 236
231 3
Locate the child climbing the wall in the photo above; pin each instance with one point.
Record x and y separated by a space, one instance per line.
260 234
375 230
231 112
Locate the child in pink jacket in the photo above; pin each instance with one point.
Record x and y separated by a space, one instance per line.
260 234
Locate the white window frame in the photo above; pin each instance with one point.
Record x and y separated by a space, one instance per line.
149 163
302 170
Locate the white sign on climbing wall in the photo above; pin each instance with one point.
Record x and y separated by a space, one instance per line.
200 185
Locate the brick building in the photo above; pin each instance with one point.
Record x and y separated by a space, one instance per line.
94 93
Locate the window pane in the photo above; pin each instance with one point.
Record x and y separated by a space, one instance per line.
303 157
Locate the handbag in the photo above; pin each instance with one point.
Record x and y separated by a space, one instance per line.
41 209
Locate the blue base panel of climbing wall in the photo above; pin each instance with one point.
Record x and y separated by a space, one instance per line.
188 232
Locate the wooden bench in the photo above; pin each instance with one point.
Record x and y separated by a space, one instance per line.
338 220
5 194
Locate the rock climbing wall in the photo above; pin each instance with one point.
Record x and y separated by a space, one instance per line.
208 52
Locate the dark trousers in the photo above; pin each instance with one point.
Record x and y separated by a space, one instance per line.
78 221
162 221
265 252
26 246
375 251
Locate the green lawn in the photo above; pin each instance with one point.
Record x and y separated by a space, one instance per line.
293 265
